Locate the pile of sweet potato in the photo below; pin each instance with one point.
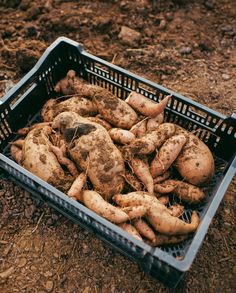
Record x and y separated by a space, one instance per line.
119 158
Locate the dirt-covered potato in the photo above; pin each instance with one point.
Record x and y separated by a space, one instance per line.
151 140
80 105
111 108
39 159
91 148
195 163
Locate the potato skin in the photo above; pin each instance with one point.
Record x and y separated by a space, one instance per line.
151 140
80 105
91 148
146 106
112 109
185 191
195 163
130 229
167 154
121 136
96 203
40 160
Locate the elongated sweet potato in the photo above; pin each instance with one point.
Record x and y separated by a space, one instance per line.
145 106
121 136
63 160
163 222
144 229
162 177
132 180
140 168
96 203
157 214
16 153
131 230
185 191
153 123
76 189
91 148
176 210
136 198
151 140
140 128
167 154
135 211
195 162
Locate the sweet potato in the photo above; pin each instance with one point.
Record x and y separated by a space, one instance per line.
91 148
164 199
130 230
162 221
167 154
145 106
80 105
76 189
132 180
150 141
63 160
136 198
135 211
140 168
185 191
121 136
41 161
162 177
140 128
25 130
176 210
157 214
96 203
112 109
195 162
144 229
18 143
153 123
16 153
66 85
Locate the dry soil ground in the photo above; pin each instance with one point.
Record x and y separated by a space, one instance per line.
187 46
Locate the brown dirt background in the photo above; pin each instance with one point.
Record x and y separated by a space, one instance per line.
187 46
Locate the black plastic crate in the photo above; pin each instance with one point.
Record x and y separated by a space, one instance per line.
21 105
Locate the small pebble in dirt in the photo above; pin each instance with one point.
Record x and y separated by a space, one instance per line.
49 286
226 28
162 24
48 274
31 31
29 210
225 76
209 5
129 36
22 262
185 50
85 248
56 255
